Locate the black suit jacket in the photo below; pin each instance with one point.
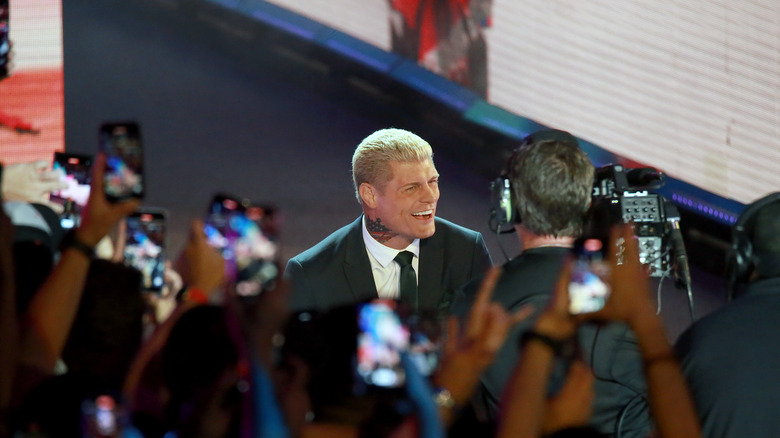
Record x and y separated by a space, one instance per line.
337 270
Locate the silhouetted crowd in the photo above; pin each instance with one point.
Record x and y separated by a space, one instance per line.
396 325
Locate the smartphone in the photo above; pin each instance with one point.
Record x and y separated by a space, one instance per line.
268 220
123 176
5 43
145 245
250 256
75 170
588 287
381 339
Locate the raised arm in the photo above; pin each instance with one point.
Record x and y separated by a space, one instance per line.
54 306
467 354
524 405
671 404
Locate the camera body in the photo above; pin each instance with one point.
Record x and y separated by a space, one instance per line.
623 195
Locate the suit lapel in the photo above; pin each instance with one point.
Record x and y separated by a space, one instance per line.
430 277
357 267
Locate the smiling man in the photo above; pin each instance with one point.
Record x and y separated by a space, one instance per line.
397 185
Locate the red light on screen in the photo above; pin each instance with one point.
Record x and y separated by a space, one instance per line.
230 204
592 245
146 218
73 161
105 402
255 213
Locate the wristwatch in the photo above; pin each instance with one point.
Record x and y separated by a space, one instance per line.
71 241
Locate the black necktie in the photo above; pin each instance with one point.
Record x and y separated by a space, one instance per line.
408 279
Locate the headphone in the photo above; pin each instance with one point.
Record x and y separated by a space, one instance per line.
741 260
503 211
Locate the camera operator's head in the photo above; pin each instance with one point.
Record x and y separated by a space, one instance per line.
756 241
552 181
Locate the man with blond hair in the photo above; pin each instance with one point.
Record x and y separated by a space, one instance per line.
397 240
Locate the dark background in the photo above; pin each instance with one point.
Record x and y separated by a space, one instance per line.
227 106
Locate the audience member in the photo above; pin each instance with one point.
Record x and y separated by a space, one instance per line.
73 343
730 357
52 309
9 327
551 180
37 236
526 412
397 185
108 329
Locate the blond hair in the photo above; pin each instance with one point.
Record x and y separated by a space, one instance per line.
371 160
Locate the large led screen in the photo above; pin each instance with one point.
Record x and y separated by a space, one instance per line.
690 87
32 123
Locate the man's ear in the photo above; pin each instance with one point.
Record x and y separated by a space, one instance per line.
368 194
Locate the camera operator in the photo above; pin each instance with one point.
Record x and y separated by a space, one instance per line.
551 180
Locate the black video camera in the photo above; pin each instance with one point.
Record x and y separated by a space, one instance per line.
623 195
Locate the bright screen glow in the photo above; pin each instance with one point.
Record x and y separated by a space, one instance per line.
688 87
32 122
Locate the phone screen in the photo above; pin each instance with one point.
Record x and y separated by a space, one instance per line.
75 171
123 177
588 289
5 45
382 337
250 256
145 246
101 417
425 337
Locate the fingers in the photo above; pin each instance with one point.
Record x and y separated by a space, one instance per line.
96 188
51 184
197 235
451 344
127 207
560 300
580 377
497 324
521 315
41 165
476 318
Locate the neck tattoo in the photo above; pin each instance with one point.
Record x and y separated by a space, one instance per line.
378 230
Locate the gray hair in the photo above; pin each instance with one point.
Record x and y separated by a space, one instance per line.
552 182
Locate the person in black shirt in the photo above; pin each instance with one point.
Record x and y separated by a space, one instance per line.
551 180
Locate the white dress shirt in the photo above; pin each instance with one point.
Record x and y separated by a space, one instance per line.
383 266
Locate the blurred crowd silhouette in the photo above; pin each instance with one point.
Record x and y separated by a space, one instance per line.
105 334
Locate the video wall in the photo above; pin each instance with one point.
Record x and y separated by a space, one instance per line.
32 121
688 87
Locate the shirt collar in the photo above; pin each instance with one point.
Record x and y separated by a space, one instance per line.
384 255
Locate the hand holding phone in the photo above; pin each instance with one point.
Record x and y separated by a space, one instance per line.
145 246
382 338
123 175
250 256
